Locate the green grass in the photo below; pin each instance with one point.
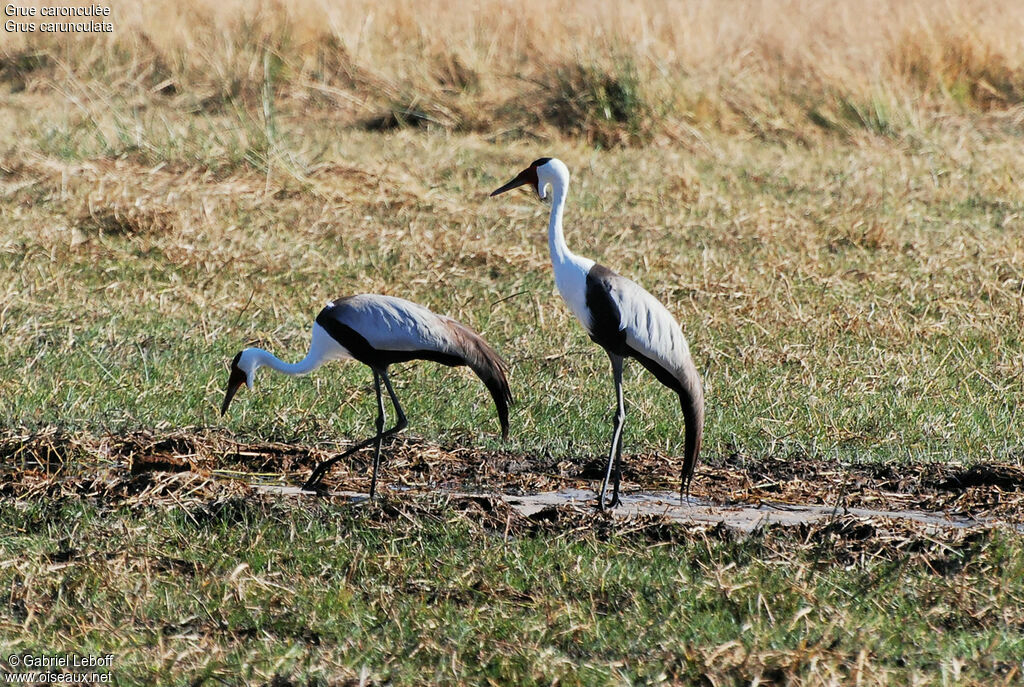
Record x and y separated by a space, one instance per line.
327 593
859 300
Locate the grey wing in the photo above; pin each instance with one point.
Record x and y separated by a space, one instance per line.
656 340
391 324
650 328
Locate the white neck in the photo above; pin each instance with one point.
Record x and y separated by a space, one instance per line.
560 252
570 269
313 360
322 348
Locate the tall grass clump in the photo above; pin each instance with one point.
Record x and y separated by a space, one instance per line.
606 106
962 69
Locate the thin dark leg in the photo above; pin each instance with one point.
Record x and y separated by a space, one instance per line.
617 473
399 425
323 467
380 434
402 422
615 451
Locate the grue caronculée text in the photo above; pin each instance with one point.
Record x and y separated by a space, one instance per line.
379 331
624 319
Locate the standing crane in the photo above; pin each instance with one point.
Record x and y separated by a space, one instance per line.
624 319
379 331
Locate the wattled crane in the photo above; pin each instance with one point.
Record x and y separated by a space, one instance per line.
624 319
379 331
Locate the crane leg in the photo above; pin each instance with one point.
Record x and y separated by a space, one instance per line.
617 473
380 434
399 425
615 451
402 423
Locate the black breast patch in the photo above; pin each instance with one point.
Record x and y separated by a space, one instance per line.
604 312
354 342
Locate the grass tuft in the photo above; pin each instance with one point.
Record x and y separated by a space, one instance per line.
414 111
128 219
606 107
969 72
17 67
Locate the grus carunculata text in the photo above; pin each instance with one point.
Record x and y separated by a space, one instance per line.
379 331
624 319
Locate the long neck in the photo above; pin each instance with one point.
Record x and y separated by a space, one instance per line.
313 360
560 252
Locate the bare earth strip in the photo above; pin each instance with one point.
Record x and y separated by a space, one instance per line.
742 517
500 487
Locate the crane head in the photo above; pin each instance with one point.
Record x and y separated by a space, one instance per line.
241 373
531 175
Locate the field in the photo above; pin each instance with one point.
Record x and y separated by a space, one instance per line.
828 196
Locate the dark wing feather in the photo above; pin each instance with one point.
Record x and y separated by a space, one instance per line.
486 363
605 317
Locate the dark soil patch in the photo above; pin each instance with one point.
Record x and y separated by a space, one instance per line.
209 475
1002 477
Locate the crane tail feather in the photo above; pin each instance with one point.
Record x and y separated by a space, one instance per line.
683 378
487 365
691 398
498 387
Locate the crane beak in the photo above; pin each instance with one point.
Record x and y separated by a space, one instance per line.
527 176
236 380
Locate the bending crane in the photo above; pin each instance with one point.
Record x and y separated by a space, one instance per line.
379 331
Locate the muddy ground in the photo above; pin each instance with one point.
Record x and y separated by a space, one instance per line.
874 508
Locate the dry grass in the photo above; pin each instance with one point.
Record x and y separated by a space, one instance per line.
629 72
